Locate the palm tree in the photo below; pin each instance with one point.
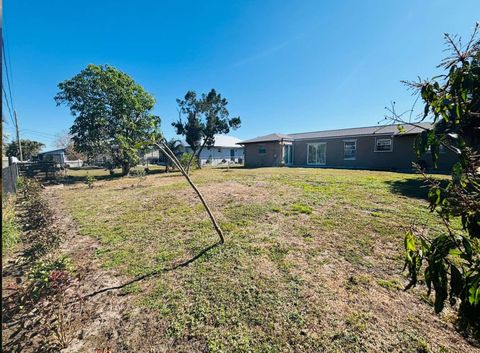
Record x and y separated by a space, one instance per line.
177 148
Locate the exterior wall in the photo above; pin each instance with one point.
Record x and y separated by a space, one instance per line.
58 157
217 155
400 158
271 157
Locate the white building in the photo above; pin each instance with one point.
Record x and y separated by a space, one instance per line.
225 150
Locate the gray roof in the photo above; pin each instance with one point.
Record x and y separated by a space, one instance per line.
356 131
268 138
57 151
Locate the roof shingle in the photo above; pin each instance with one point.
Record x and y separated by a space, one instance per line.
357 131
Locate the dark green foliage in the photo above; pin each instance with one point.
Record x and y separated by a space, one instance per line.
453 258
176 147
30 149
206 117
187 159
112 114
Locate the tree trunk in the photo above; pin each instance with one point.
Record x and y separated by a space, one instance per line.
197 154
125 169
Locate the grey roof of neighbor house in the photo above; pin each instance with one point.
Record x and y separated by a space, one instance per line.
408 129
268 138
53 151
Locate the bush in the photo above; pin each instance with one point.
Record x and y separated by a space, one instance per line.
90 180
185 158
450 261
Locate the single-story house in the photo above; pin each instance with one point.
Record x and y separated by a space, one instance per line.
384 147
58 156
226 149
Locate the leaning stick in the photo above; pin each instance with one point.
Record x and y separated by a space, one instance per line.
168 152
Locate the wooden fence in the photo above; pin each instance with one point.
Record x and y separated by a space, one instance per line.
40 170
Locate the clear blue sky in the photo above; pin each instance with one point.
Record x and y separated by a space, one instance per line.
284 66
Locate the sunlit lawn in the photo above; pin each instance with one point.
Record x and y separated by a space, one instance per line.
312 259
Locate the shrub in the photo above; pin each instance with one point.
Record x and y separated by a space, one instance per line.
452 257
90 180
185 158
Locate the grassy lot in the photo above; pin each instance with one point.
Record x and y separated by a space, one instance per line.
312 260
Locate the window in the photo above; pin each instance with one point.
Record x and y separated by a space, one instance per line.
349 149
383 145
262 149
316 153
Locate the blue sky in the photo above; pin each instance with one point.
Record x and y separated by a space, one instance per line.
284 66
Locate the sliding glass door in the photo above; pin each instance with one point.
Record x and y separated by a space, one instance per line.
317 153
288 154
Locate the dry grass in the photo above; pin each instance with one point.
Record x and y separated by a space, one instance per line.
312 261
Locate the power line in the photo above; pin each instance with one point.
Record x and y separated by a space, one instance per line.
41 132
8 55
8 105
11 100
8 76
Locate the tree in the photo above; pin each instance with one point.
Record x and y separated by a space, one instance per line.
452 101
177 149
30 149
112 113
206 117
64 140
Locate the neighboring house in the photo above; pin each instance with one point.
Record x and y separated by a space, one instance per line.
58 156
377 147
225 150
6 161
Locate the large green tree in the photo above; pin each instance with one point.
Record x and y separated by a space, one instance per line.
112 113
206 117
450 260
30 149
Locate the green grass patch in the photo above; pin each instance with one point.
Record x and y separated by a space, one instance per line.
10 228
299 244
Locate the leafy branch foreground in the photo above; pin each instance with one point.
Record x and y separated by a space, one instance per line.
452 258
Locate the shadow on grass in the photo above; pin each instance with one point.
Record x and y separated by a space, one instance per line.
412 187
409 187
155 273
74 179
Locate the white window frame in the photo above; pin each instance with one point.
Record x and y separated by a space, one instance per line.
308 153
350 158
383 138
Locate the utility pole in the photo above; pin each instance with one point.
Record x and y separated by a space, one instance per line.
18 136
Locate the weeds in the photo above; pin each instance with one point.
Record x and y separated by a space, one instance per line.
37 303
90 181
10 229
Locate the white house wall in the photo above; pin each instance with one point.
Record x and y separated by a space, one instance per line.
217 155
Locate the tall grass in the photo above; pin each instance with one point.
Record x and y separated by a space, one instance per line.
10 230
